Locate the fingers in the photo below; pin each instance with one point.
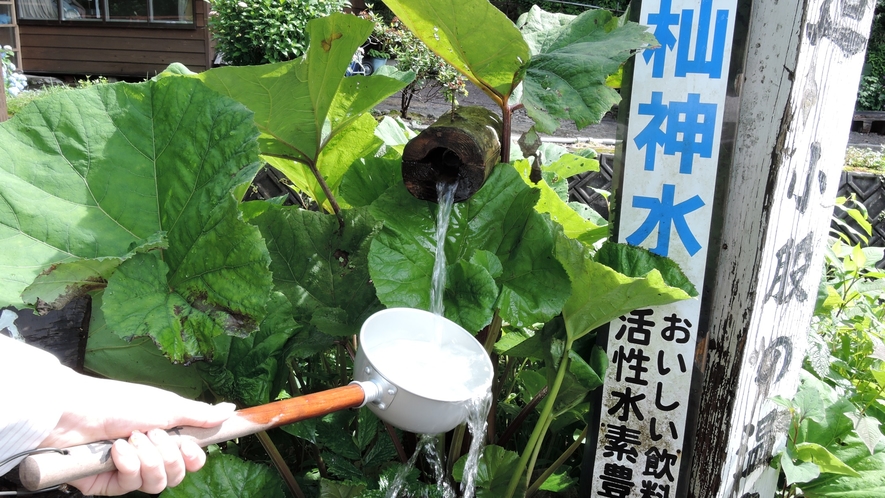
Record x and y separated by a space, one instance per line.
173 468
194 456
128 461
147 462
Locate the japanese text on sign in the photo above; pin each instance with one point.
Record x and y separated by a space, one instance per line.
671 154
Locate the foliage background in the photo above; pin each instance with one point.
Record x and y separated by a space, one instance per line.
871 94
250 32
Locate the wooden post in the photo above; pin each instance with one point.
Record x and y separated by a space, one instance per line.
730 169
797 96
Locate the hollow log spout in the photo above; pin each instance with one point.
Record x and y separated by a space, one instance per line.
462 145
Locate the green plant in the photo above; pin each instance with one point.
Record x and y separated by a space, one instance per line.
865 159
256 301
559 62
871 93
834 440
250 32
394 40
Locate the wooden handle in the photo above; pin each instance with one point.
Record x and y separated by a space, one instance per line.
51 469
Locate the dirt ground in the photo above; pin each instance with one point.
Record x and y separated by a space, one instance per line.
428 106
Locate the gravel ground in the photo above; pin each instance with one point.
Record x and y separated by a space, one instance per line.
428 106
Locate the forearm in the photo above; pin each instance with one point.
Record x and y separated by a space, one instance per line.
31 379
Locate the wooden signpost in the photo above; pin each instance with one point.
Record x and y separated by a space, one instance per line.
797 94
729 164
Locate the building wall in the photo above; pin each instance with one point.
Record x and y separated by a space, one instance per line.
106 49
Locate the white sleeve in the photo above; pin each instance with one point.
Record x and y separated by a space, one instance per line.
29 409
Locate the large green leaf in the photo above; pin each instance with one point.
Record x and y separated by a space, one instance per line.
370 178
571 60
500 221
245 369
496 466
573 224
798 472
820 456
320 266
601 294
474 37
636 261
871 469
226 476
137 360
133 183
352 143
301 105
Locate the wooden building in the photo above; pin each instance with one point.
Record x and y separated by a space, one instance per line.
123 38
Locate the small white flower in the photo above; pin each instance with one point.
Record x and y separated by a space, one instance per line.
242 4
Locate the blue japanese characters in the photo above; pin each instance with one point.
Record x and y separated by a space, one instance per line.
665 204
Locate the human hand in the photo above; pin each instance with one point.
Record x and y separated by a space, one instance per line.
147 458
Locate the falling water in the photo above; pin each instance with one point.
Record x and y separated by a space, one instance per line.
400 478
446 199
477 422
477 413
434 458
477 407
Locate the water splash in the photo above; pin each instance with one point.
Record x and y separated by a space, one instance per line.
477 421
446 199
435 459
400 478
427 445
477 424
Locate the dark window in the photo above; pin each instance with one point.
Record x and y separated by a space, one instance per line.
157 11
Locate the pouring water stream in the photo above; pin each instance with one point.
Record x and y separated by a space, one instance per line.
478 407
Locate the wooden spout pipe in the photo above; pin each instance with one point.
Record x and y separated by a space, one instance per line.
51 469
463 145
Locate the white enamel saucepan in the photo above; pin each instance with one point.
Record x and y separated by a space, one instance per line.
415 370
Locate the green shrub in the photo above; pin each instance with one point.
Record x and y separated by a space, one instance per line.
251 32
864 159
394 40
871 92
834 435
19 101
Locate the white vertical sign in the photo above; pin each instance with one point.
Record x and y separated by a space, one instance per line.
671 155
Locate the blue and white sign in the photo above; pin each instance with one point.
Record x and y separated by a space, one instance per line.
671 155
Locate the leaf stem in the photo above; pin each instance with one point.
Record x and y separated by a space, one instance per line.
455 445
538 433
559 461
327 191
493 330
530 468
522 415
506 127
279 463
400 451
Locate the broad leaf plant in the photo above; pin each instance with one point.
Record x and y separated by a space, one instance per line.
133 194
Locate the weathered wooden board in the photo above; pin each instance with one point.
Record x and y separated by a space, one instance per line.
796 101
